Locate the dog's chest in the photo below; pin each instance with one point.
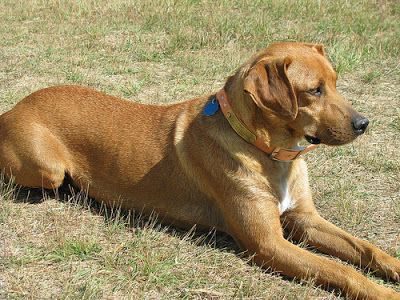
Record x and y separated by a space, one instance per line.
286 201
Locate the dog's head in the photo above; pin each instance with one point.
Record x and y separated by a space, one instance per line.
296 83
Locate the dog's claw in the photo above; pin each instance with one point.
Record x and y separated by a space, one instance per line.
392 275
396 277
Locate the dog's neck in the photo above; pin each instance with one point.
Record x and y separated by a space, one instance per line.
265 125
264 130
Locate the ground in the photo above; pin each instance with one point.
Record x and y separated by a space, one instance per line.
153 51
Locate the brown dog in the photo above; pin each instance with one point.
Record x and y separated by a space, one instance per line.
228 161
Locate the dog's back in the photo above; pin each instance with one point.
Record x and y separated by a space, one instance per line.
100 146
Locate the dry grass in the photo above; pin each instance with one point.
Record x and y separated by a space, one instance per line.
165 51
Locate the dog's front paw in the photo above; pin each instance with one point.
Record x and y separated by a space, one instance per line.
388 267
378 293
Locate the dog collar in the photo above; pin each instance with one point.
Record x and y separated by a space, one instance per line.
279 154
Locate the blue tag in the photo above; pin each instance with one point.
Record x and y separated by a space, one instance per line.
211 108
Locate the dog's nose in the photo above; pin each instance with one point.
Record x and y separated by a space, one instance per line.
360 124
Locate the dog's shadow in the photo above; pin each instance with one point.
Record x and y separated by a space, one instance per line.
71 195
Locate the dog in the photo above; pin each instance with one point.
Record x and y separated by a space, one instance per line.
229 161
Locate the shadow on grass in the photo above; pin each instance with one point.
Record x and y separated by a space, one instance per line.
71 195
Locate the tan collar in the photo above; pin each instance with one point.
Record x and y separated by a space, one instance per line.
279 154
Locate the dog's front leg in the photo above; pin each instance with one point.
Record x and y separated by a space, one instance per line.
256 226
307 225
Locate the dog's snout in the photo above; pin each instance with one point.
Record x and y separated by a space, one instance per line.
360 124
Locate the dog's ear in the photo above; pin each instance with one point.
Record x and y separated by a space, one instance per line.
269 87
319 48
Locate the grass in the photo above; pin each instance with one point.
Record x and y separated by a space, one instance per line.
74 248
163 51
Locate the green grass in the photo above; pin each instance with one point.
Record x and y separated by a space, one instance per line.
75 249
371 76
163 51
396 123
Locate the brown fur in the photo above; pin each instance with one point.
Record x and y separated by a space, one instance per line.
193 169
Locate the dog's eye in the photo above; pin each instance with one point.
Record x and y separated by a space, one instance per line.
315 92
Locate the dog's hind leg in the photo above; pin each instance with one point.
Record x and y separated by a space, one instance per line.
33 156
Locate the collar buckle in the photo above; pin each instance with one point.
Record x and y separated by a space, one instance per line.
274 154
285 155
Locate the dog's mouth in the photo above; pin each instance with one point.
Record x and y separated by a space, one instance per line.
312 139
